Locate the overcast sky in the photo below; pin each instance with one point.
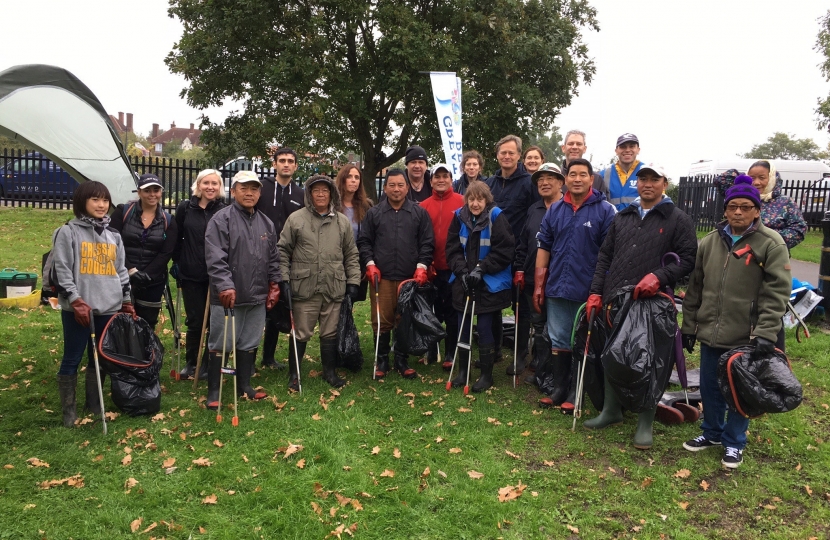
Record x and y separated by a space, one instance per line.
693 80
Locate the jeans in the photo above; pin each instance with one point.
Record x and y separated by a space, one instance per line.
561 314
731 433
77 338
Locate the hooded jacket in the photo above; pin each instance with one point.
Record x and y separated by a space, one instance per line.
573 238
441 207
318 253
396 240
729 300
278 210
90 266
241 254
191 223
514 195
496 262
635 246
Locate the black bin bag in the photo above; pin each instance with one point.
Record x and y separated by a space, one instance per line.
419 328
594 384
132 355
349 354
753 387
638 354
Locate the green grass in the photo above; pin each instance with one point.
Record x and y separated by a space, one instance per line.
810 249
595 482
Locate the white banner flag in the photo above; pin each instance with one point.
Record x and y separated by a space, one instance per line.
446 90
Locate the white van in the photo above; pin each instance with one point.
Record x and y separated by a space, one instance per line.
788 169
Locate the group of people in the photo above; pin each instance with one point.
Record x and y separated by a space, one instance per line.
541 237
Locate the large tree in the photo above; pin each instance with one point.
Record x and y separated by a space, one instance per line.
783 146
823 47
332 76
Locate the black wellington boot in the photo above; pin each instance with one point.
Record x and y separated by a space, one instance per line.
295 363
93 404
462 364
269 347
487 357
328 357
383 354
214 365
402 366
568 404
244 366
561 376
524 333
449 346
191 350
541 349
66 390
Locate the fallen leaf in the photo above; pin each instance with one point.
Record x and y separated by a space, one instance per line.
769 507
475 475
127 460
798 467
217 443
202 530
135 524
169 462
425 473
375 450
548 463
316 416
316 508
534 493
573 529
76 481
396 453
158 417
442 474
210 499
705 485
170 470
683 505
508 493
292 449
455 450
525 433
356 505
346 468
808 490
464 409
683 473
427 413
244 458
130 483
202 462
511 454
388 474
646 482
8 466
29 506
301 464
439 439
150 527
35 462
112 415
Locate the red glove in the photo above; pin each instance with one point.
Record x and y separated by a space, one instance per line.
647 287
420 277
540 279
227 298
519 280
593 306
273 296
372 274
128 308
82 312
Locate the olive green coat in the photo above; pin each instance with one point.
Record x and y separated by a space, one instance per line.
729 300
318 253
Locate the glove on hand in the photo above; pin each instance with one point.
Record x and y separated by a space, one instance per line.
420 277
128 308
140 279
352 291
174 271
519 280
540 278
763 347
372 274
273 296
647 287
689 342
82 312
227 298
475 277
593 306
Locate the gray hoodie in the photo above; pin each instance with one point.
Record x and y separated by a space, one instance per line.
90 266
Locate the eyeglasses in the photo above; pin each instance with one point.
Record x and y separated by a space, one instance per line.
742 207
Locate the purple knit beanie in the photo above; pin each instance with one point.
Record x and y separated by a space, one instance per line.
743 189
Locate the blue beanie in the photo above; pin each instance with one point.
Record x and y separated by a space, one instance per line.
743 189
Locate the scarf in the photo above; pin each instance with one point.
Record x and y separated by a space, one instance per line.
766 195
98 224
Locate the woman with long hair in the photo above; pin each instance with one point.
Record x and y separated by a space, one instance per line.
189 268
92 284
353 199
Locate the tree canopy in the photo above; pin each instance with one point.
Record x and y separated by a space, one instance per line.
783 146
333 76
823 47
551 145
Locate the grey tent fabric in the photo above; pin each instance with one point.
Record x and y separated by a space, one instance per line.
50 110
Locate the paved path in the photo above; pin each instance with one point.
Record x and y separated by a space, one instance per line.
805 271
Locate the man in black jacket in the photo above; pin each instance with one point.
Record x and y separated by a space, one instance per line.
396 243
417 175
632 254
280 198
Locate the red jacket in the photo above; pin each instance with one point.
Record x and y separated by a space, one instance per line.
440 207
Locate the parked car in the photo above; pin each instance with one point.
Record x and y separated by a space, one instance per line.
35 176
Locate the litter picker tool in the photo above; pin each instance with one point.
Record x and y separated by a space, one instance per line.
294 343
98 373
458 343
580 385
377 311
222 369
177 335
235 419
515 336
174 315
469 347
202 342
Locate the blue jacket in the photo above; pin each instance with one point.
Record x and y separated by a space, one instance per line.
514 195
573 239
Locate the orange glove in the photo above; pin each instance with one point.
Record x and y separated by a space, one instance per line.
647 287
593 306
519 280
82 312
227 298
372 274
420 277
540 279
128 308
273 296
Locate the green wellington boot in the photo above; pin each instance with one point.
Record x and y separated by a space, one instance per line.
611 411
643 435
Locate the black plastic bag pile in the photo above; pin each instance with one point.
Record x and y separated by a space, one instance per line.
638 354
753 387
132 354
419 328
349 354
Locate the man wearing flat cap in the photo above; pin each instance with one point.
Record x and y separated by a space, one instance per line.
619 181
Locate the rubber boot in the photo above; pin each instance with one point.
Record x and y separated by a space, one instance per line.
383 354
269 347
568 404
524 333
611 412
402 366
66 390
449 346
462 364
93 404
541 348
328 357
244 362
562 362
432 354
544 373
295 363
487 357
214 366
191 351
643 437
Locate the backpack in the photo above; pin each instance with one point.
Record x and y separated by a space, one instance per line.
49 281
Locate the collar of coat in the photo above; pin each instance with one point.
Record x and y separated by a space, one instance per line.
407 205
663 208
